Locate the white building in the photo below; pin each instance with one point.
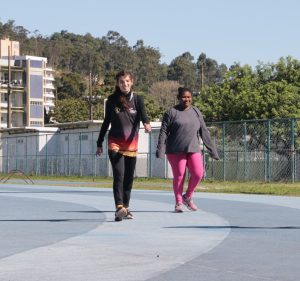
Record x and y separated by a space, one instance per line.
30 88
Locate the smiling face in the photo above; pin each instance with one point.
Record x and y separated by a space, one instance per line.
125 84
185 99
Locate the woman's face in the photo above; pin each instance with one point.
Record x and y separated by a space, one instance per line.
125 84
185 99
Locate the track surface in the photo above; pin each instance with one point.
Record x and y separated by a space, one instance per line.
69 233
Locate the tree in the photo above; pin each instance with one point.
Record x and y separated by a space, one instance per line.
209 72
154 111
164 93
117 54
70 85
183 70
7 29
146 66
272 91
70 110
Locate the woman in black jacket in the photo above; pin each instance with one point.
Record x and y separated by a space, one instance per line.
124 110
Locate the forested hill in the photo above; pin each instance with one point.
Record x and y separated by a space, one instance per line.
236 92
85 53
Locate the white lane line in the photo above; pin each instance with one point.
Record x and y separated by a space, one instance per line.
157 240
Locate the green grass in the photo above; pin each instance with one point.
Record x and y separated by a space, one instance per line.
280 188
289 189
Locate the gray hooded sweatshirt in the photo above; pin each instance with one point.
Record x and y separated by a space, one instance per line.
180 132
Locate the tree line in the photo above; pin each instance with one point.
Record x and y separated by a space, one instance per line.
236 92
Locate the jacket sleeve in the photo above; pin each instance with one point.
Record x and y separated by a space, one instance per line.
141 107
105 124
163 134
205 135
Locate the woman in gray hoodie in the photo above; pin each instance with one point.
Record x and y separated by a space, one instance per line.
182 125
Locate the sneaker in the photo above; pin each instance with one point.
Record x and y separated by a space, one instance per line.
188 202
118 219
179 208
129 215
121 212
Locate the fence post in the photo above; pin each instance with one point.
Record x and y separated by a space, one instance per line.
107 159
80 156
245 150
26 156
223 144
166 167
95 156
149 156
36 155
7 156
46 155
69 161
16 165
268 152
204 161
292 150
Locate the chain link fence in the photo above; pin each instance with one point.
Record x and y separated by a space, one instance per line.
256 150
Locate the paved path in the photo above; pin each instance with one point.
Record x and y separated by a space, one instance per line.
68 233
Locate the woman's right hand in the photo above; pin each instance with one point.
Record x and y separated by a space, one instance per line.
99 151
147 127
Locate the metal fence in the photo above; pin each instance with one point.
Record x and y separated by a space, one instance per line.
256 150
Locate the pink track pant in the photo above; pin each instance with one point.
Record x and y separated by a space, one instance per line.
179 162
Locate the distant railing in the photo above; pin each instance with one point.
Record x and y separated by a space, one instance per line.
255 150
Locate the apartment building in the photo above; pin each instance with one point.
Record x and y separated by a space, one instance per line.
30 89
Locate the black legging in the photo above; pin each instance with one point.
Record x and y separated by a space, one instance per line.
123 173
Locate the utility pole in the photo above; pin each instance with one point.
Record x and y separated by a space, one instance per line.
9 92
90 97
202 75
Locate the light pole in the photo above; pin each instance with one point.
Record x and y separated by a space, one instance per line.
90 97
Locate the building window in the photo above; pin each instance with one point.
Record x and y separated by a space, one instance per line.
36 123
36 103
36 64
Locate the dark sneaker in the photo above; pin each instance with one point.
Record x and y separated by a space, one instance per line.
178 208
121 212
189 203
118 219
129 215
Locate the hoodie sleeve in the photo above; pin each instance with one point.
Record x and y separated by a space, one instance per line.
163 134
105 124
205 135
141 105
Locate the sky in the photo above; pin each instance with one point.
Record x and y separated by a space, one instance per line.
229 31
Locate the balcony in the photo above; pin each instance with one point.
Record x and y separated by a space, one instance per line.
49 86
49 95
49 77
